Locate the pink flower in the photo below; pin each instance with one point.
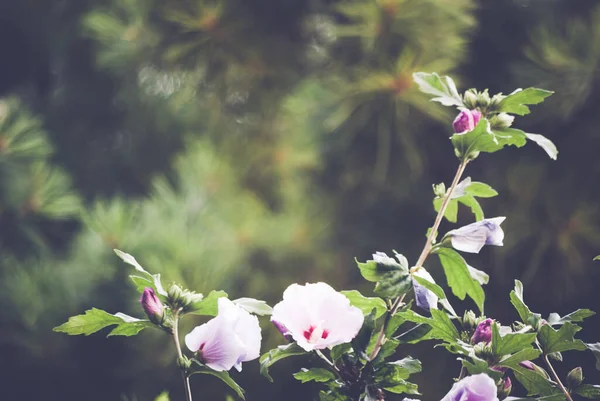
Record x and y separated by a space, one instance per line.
466 121
152 305
479 387
483 332
227 340
317 316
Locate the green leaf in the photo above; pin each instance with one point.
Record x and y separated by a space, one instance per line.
588 391
554 319
436 289
393 279
403 387
516 298
153 279
472 203
480 139
481 277
362 339
552 340
480 366
597 257
510 342
387 349
198 368
451 213
533 381
416 334
459 278
595 348
516 102
544 143
480 190
207 306
527 354
277 354
510 136
164 396
95 320
314 374
253 305
442 327
339 350
443 88
366 304
409 366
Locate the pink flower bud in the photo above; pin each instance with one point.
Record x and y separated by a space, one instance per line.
483 332
527 365
152 305
466 121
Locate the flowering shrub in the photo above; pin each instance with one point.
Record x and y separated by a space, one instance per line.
356 336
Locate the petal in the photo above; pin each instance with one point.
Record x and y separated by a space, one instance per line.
245 326
461 188
223 351
471 242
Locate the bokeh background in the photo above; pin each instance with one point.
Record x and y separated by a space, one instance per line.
246 145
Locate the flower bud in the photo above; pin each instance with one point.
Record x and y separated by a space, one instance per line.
483 351
504 388
501 120
469 320
470 98
575 377
483 332
439 190
466 121
483 100
152 305
174 294
527 365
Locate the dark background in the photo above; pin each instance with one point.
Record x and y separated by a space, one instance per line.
246 145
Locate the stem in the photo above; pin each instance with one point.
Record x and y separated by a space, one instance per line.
555 376
186 379
327 361
424 253
438 219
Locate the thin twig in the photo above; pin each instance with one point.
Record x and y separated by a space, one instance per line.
424 253
186 379
560 385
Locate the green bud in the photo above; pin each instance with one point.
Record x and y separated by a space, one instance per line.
501 120
184 363
495 102
483 100
189 298
557 356
174 293
575 377
483 351
439 189
469 321
470 99
504 388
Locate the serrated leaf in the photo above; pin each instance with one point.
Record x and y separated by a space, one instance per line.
403 388
480 139
560 340
516 102
545 143
387 349
392 277
442 327
198 368
443 88
474 205
252 305
366 304
416 334
527 354
207 306
96 319
318 375
277 354
534 382
459 278
480 366
510 342
588 391
510 137
595 348
339 350
554 319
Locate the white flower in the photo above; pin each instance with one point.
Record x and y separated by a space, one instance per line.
472 237
227 340
317 316
424 298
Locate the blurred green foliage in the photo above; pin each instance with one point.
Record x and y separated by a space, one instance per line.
248 145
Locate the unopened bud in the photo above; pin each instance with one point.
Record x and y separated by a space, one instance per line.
469 320
504 388
501 120
483 332
174 294
575 377
483 100
466 121
470 99
483 351
439 190
152 306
